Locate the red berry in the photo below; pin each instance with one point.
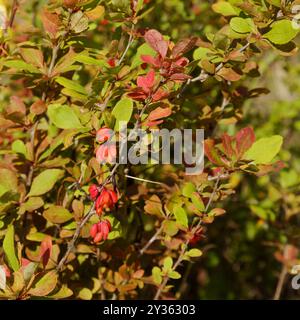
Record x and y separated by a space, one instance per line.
93 191
104 22
108 223
94 230
111 62
106 199
114 196
104 134
98 237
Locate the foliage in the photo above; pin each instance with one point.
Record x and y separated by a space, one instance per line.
72 225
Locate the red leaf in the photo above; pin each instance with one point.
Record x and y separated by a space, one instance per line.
159 95
154 123
146 82
229 74
50 22
227 145
159 113
182 62
16 106
180 76
244 140
45 250
183 46
138 94
157 42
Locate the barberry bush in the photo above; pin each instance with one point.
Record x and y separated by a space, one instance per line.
73 223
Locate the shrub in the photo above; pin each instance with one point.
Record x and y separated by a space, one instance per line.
74 224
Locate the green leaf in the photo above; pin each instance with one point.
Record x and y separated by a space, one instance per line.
18 146
9 248
21 65
242 25
45 181
225 8
57 214
64 292
197 201
91 61
181 216
74 94
36 236
70 84
201 53
85 294
168 263
170 227
122 112
64 117
264 150
282 32
174 275
194 253
8 181
44 285
156 275
188 189
31 205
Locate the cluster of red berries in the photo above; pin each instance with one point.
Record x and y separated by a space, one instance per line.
104 199
100 230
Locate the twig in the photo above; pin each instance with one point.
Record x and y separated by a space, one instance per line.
129 43
143 180
280 283
184 247
53 59
176 264
153 238
203 75
213 194
71 244
281 278
221 176
14 9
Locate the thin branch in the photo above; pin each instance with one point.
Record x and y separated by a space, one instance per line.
185 246
203 75
213 194
53 59
176 264
281 278
129 43
280 283
152 239
143 180
14 9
